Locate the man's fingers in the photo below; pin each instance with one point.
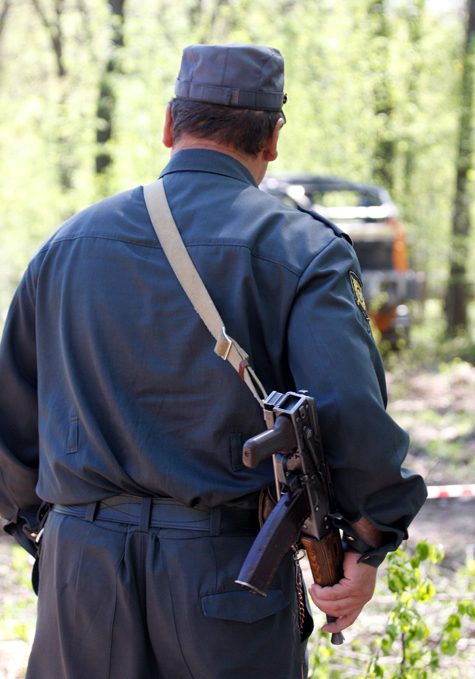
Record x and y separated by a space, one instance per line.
338 591
346 599
337 600
340 623
338 607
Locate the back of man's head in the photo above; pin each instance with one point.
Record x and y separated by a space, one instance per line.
232 94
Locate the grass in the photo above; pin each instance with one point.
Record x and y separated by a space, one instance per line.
431 386
18 610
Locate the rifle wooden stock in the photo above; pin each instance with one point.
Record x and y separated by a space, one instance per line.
325 557
326 563
307 500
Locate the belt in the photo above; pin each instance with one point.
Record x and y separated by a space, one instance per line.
148 512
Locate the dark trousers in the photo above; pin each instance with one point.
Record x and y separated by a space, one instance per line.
119 600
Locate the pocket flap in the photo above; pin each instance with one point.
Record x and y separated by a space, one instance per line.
243 606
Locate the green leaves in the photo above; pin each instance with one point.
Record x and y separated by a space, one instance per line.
411 645
407 625
467 607
404 575
425 551
451 635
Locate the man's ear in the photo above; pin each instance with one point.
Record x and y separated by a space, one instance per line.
167 138
270 150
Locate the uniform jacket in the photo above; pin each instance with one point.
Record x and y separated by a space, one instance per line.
108 379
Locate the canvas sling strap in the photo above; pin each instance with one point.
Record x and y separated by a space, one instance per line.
190 280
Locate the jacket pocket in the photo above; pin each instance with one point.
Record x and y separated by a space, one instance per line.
235 448
72 445
242 606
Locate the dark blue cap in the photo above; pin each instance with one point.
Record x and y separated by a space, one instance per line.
237 75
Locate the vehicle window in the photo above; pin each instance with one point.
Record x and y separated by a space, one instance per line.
345 199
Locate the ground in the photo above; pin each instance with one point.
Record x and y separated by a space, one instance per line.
437 407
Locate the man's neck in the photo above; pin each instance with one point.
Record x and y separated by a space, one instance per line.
255 164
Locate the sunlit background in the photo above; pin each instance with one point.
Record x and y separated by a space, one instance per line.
374 95
379 92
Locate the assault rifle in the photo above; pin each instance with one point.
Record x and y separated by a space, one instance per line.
305 506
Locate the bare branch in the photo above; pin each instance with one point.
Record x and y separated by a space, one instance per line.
106 101
3 14
54 30
457 294
211 20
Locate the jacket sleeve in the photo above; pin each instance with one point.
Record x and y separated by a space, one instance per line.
333 355
19 450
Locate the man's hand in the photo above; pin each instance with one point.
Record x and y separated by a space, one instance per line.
346 599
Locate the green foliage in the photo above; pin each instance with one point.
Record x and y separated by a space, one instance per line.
406 625
428 346
21 564
373 92
18 617
408 647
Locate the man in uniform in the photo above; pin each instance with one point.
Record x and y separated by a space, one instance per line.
115 410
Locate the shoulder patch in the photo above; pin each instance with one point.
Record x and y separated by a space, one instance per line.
336 229
357 287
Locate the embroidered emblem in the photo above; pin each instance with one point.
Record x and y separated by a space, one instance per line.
357 287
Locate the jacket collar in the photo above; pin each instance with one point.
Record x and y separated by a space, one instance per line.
204 160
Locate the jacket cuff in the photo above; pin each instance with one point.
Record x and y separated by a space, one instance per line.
22 527
372 556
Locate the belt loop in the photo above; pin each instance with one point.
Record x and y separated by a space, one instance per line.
145 512
215 522
91 510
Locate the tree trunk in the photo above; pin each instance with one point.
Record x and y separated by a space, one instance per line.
384 152
106 102
55 33
203 18
66 161
457 289
3 14
414 19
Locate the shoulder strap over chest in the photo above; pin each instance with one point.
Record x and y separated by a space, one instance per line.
190 280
